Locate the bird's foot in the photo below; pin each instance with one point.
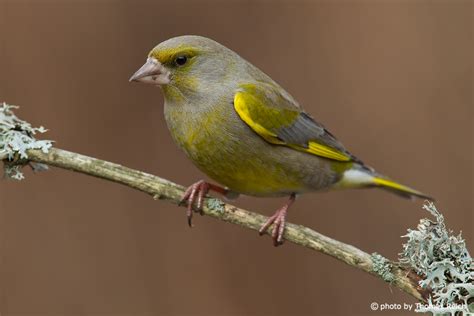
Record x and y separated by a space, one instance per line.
279 222
195 194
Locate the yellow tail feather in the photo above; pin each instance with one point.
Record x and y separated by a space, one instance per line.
399 188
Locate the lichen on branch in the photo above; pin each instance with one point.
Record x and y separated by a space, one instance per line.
443 262
16 138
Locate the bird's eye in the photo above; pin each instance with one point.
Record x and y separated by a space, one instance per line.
181 60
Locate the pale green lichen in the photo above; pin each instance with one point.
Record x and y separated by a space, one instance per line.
444 263
16 137
215 204
382 267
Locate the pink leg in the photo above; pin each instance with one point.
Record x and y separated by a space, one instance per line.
279 221
196 193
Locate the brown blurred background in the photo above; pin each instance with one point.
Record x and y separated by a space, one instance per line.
392 79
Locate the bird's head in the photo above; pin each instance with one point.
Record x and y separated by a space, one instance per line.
184 65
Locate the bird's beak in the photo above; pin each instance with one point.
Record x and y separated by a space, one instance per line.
152 72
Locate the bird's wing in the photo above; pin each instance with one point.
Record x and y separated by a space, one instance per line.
278 119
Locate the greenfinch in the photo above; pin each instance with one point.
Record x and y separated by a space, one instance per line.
246 132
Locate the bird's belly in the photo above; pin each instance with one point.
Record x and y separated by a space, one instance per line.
233 155
248 173
245 170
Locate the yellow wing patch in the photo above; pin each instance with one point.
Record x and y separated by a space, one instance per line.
243 111
325 151
243 103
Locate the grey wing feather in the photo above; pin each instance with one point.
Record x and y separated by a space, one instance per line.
306 129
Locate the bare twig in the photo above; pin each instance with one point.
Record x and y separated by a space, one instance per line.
165 190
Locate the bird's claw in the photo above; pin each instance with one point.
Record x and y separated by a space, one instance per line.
279 222
194 195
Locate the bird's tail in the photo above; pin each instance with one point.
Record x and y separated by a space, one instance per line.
398 188
361 177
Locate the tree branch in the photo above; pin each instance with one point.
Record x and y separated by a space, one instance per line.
163 189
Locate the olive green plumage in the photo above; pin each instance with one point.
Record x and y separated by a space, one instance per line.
245 131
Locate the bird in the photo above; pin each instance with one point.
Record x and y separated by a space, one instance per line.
243 130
